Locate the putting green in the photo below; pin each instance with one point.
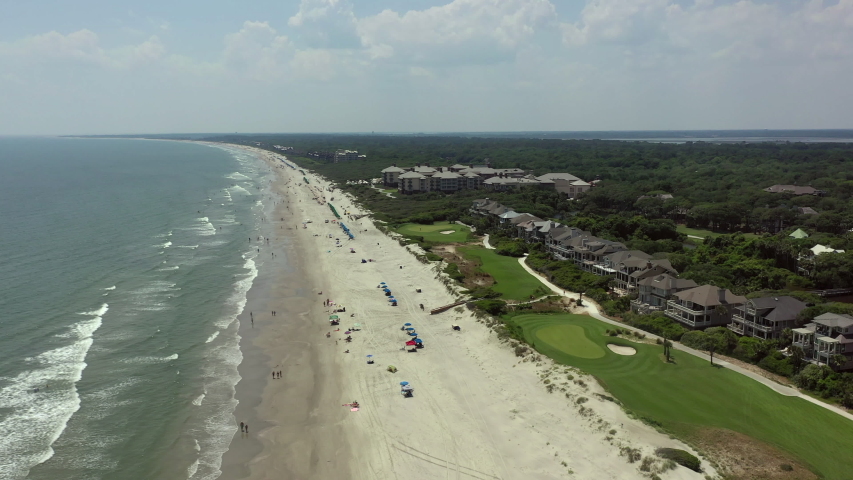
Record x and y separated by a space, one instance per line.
570 339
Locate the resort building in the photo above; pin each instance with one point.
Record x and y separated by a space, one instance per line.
766 317
424 178
828 335
704 306
346 156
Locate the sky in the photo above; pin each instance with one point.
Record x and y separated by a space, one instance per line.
156 66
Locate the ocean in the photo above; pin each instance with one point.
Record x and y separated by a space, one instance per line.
123 267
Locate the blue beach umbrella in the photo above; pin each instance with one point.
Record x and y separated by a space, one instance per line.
418 340
370 356
407 324
411 329
404 383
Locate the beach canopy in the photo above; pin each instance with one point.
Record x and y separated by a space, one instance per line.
407 388
333 317
404 383
418 340
410 342
357 325
410 328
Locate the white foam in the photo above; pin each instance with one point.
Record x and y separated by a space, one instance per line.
212 337
237 176
192 469
150 360
163 245
197 401
111 288
239 189
166 269
186 246
35 420
205 228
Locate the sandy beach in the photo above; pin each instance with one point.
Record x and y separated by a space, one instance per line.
478 411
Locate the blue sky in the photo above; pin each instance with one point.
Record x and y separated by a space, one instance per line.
423 65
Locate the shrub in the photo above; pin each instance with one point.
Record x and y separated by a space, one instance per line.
452 271
685 459
786 467
434 258
494 307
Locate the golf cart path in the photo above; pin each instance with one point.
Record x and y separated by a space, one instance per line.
592 310
486 243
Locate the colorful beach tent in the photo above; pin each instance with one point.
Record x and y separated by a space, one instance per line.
410 342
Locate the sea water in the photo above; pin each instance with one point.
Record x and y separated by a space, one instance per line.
123 267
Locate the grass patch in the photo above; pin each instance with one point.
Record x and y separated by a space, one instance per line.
697 232
432 233
511 280
691 396
569 339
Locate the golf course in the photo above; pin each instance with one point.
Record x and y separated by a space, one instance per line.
511 280
692 399
432 233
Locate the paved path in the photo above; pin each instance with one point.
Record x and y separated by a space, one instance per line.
593 311
487 244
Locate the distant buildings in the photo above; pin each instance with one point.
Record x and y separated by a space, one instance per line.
346 156
794 190
424 178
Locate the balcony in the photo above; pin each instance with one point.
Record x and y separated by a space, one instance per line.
756 326
735 327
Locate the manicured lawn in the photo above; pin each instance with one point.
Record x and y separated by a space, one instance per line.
511 279
432 233
705 233
691 395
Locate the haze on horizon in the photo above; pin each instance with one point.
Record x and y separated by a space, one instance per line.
122 67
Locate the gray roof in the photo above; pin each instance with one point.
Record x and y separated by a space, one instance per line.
795 189
392 169
834 320
668 282
524 217
509 214
411 175
558 176
778 309
709 296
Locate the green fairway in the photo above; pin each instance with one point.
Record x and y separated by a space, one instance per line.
511 279
570 339
432 233
696 232
691 395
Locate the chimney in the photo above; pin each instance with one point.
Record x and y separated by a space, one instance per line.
721 293
426 164
418 165
394 165
649 265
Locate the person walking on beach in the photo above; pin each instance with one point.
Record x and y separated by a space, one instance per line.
241 426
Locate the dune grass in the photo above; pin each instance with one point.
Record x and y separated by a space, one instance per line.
511 279
690 395
432 233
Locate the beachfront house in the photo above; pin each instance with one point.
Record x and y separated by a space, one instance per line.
766 317
794 190
829 335
391 175
424 178
654 291
703 306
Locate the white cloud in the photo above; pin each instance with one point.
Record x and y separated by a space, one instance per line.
80 47
462 31
257 51
326 23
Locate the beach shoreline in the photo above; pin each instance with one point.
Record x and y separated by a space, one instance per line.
478 409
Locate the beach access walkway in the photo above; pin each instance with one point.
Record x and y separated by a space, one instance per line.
593 311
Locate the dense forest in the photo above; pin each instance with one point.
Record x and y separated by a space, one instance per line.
719 187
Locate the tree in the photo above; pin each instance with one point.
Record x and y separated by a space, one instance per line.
797 358
837 361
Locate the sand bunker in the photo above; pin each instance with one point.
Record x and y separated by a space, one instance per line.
621 350
448 232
